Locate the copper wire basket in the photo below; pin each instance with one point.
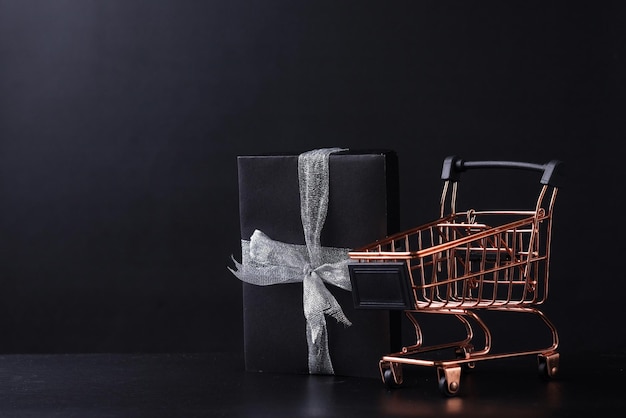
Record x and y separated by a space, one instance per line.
460 264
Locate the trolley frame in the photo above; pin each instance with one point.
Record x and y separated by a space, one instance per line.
459 264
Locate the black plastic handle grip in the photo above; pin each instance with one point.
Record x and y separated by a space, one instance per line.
454 166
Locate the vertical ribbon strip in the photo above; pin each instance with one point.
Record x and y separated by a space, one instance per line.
268 262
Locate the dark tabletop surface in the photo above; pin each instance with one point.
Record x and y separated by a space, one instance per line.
216 385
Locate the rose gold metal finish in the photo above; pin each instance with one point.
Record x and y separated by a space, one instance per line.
466 262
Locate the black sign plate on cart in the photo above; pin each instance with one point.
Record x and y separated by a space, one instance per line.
381 286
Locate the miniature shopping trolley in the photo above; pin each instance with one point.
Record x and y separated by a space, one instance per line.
460 264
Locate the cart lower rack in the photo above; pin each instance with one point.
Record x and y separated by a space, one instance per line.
459 265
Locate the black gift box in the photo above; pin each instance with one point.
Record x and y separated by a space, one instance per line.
363 207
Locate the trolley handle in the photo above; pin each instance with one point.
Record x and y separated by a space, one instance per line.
454 166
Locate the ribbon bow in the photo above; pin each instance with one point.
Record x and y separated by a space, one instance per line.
268 262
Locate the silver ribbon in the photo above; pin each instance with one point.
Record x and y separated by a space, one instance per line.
267 262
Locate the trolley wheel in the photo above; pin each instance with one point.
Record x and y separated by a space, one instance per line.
543 370
389 381
449 380
548 365
391 374
445 388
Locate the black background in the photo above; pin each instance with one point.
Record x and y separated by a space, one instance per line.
120 123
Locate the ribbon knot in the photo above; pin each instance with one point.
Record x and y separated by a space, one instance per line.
307 270
268 262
